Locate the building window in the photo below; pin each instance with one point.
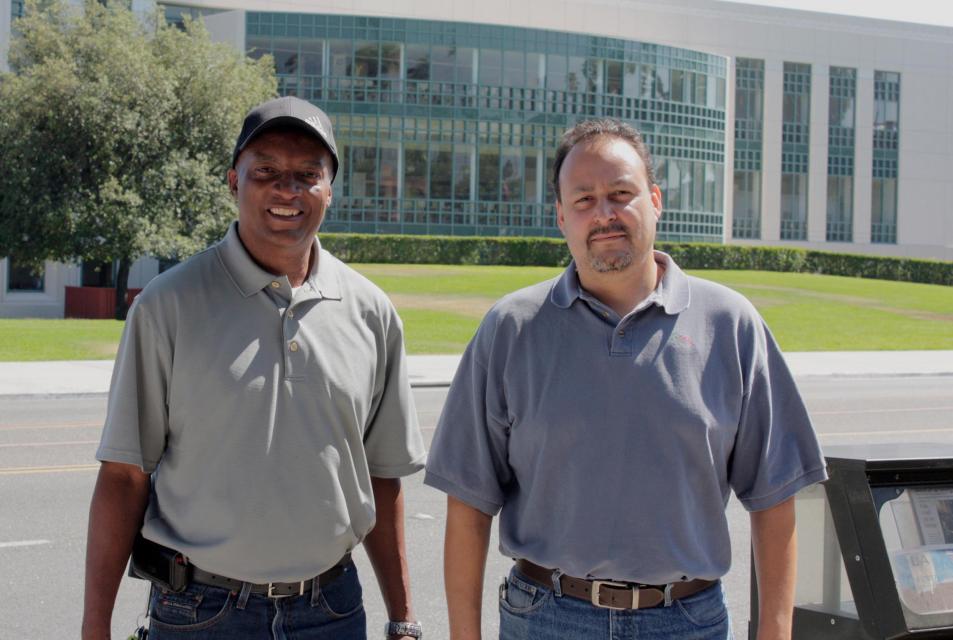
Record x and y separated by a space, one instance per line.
795 148
25 278
749 132
883 214
447 127
16 9
746 215
840 196
840 154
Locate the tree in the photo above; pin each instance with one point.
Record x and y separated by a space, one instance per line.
116 134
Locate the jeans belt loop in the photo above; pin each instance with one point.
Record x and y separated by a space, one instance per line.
557 584
668 594
243 596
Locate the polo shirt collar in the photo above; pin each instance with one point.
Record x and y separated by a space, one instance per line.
250 278
672 294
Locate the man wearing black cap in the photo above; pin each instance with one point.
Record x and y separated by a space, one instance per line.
259 420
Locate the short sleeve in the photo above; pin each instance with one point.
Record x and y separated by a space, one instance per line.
137 417
392 441
468 456
776 452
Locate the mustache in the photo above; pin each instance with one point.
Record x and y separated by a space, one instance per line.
615 227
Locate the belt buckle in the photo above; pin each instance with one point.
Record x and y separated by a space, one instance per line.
597 586
273 595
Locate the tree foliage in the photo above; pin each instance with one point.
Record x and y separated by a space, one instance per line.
116 134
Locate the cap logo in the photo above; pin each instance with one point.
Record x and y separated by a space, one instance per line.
315 122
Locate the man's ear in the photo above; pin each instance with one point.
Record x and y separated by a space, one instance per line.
233 182
560 217
657 202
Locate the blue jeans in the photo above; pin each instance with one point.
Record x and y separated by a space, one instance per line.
334 612
529 611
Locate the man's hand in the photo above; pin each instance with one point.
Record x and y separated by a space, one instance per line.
115 516
775 558
464 565
385 548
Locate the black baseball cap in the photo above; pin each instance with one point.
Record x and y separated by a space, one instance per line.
290 112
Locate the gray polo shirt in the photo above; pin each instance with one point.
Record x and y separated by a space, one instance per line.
262 415
611 444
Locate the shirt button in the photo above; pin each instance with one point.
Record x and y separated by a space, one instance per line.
293 346
275 285
291 313
622 333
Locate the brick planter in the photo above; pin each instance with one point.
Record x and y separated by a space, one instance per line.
96 303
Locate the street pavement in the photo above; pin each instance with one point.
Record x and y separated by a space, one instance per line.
90 377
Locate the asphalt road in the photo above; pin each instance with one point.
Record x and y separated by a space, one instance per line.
47 473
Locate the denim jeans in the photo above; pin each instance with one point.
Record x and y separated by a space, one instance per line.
334 612
529 611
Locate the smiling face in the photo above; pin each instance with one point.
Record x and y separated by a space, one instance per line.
608 209
282 181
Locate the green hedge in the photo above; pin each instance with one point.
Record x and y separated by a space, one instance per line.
409 249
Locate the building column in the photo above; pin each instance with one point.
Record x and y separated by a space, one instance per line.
863 154
771 151
817 167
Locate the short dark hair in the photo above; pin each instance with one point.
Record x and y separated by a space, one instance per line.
590 129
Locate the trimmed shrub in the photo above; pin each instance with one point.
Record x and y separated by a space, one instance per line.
517 251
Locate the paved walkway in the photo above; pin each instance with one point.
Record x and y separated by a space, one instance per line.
89 377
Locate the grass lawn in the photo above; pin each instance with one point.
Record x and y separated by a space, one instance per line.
22 340
442 305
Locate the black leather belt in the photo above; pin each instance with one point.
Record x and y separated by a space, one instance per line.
272 589
612 595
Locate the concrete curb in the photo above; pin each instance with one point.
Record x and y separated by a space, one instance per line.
86 378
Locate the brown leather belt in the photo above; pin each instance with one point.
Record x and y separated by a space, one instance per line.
272 589
612 595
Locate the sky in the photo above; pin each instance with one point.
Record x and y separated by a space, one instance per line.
936 12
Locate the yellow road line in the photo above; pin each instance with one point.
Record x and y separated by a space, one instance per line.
46 444
875 432
17 471
849 411
62 425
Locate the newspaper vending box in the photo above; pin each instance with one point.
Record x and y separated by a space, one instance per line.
875 546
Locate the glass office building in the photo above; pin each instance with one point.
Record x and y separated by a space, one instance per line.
451 128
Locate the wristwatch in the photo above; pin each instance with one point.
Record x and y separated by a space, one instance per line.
412 629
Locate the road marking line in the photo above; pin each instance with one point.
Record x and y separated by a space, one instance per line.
15 471
848 411
47 444
23 543
896 432
63 425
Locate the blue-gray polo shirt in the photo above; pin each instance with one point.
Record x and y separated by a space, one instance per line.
261 413
609 445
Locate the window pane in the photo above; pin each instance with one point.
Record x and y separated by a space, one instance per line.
23 278
489 175
418 62
441 172
461 173
556 68
512 187
529 172
388 172
490 67
415 172
514 71
364 171
286 55
312 57
340 58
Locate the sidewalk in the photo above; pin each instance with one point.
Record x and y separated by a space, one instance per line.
91 377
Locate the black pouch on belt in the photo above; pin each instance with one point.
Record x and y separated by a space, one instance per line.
164 567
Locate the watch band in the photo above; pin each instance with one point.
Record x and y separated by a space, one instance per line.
404 628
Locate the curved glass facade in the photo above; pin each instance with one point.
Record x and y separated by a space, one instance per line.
451 128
